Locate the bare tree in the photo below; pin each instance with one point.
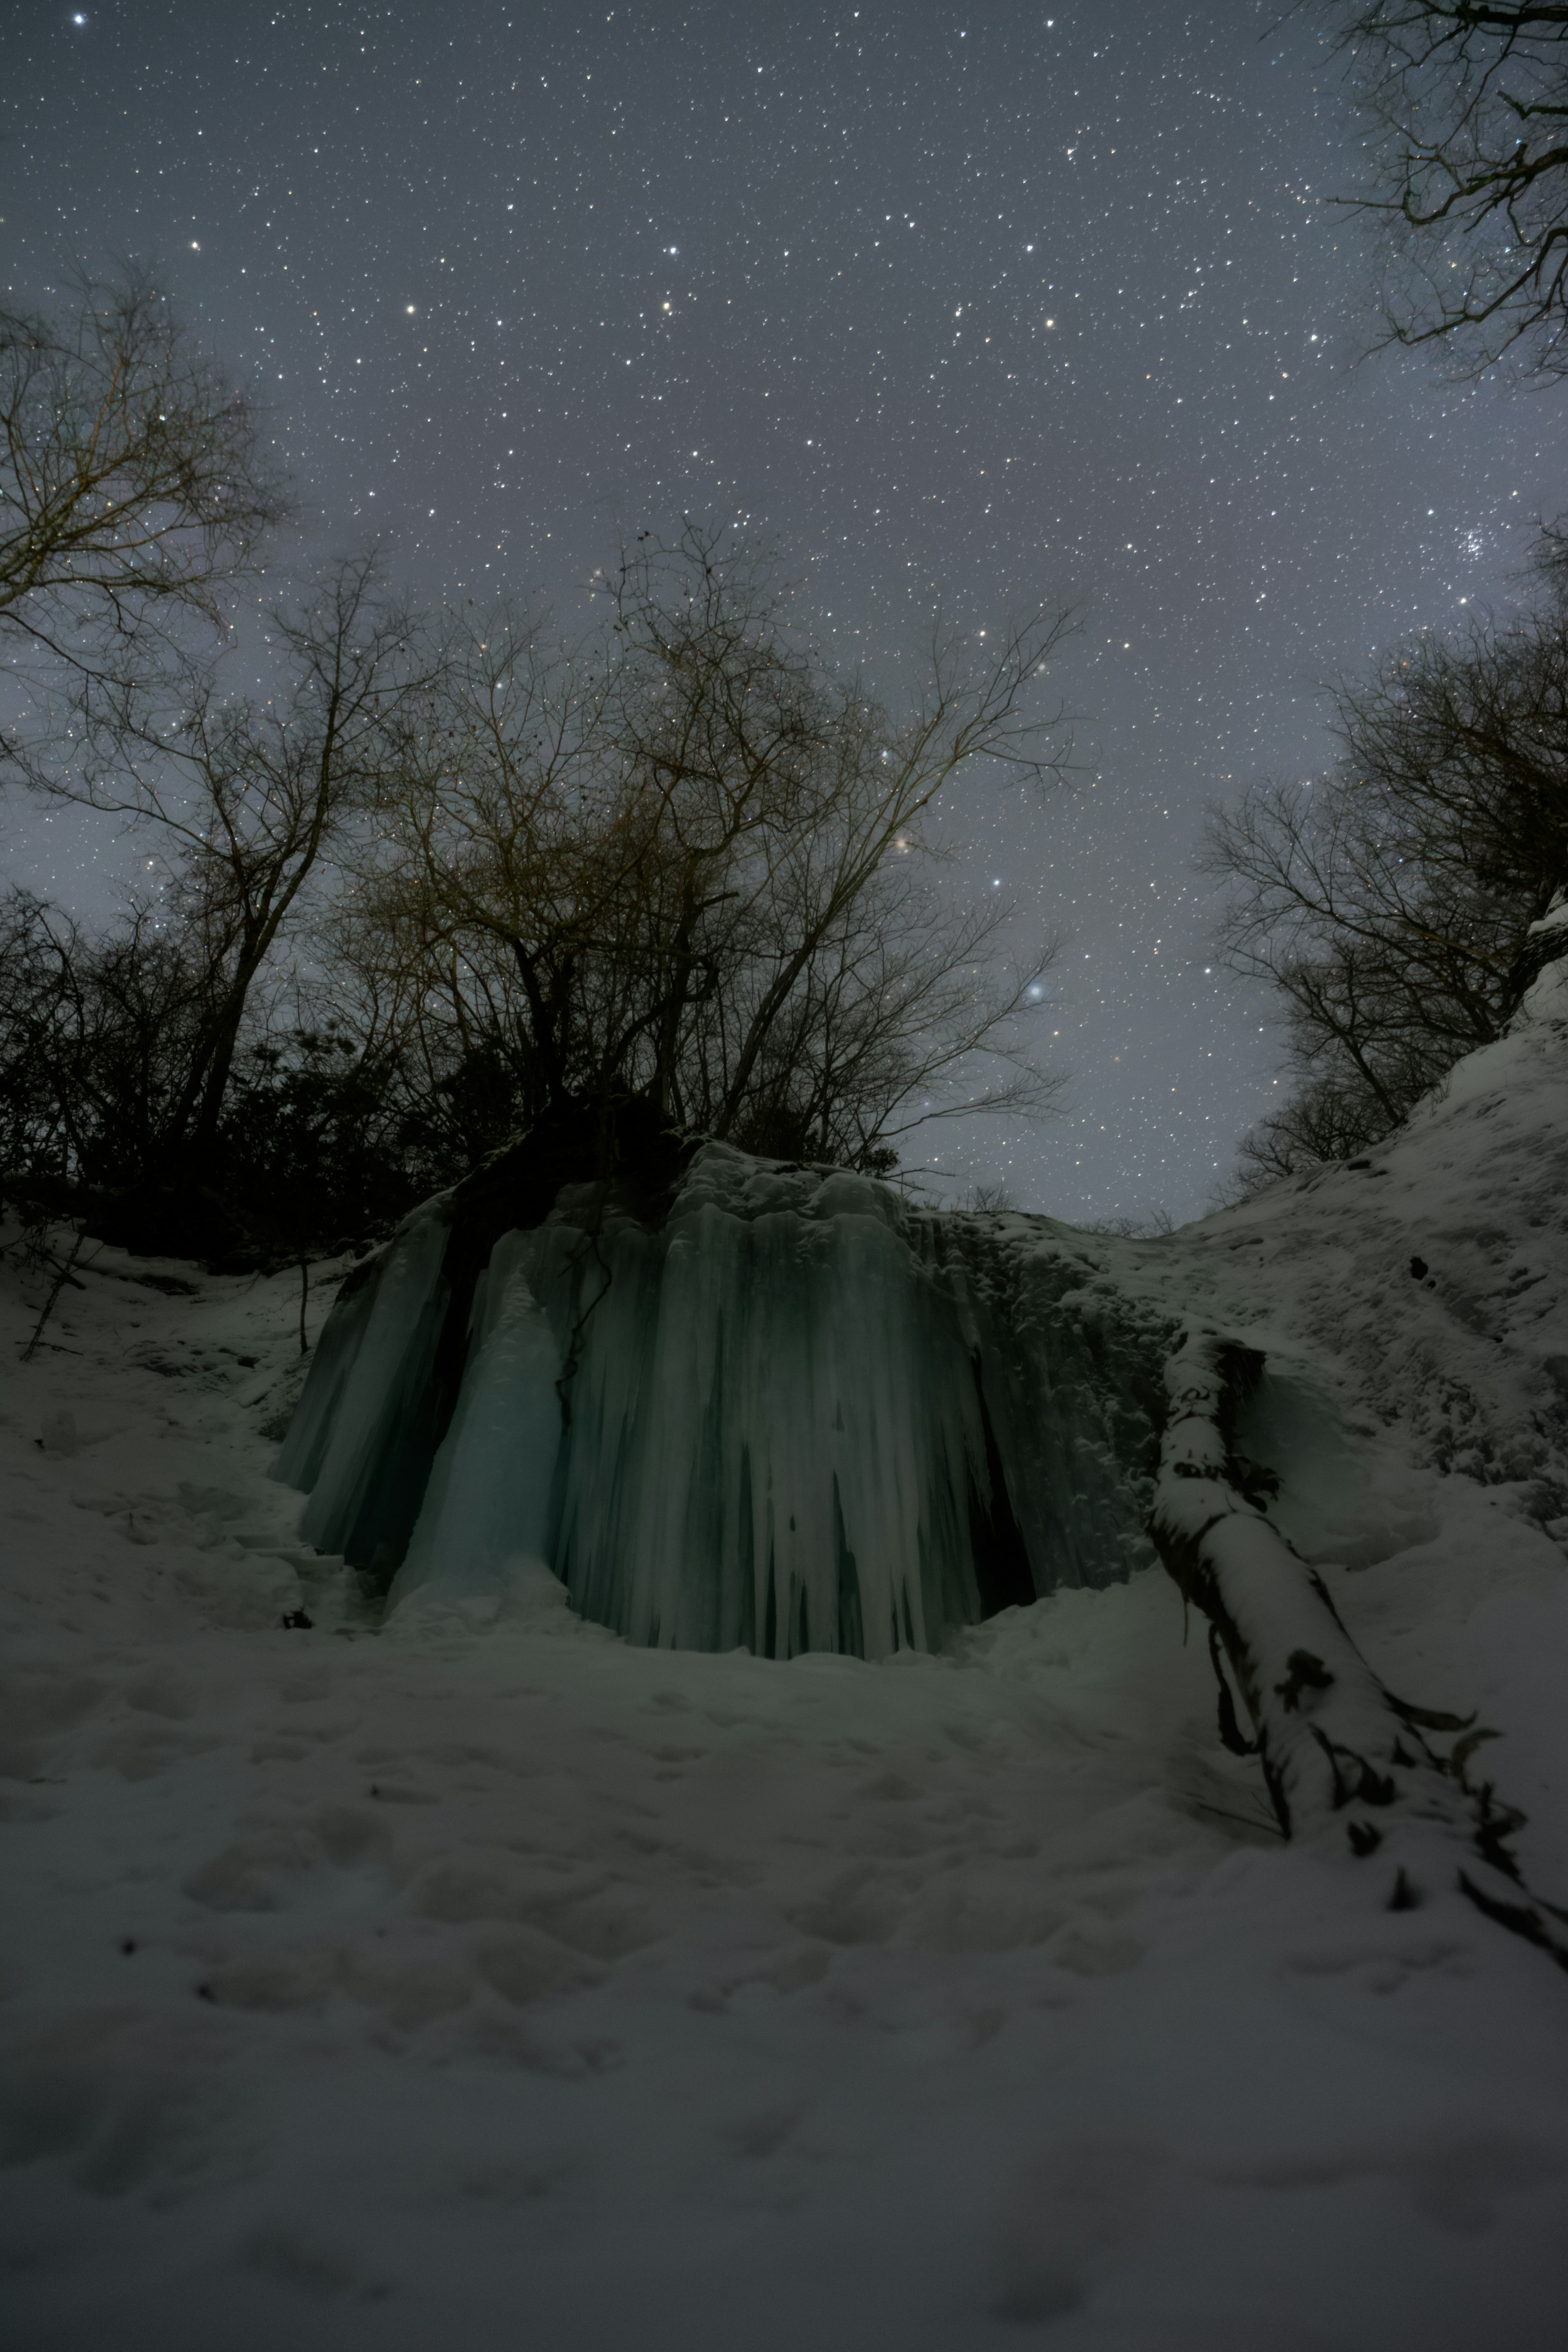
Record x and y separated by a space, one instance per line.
100 1029
243 801
676 862
1381 970
1326 1118
907 1010
95 1035
1468 105
1389 905
1469 739
132 478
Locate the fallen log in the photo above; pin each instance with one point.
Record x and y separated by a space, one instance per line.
1345 1762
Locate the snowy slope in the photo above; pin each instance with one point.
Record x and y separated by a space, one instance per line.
506 1984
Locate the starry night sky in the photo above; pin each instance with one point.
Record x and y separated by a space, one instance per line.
982 306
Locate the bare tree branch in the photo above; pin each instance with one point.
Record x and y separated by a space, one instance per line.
132 477
1389 905
1468 174
680 860
243 800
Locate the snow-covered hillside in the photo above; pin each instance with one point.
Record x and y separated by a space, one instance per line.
479 1978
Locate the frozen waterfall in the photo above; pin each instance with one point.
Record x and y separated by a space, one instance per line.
797 1415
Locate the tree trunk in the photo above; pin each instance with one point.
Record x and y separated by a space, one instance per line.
1342 1758
219 1063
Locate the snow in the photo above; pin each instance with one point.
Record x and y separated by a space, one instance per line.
487 1978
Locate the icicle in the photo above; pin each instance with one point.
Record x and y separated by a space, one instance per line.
797 1417
352 1439
776 1432
486 1507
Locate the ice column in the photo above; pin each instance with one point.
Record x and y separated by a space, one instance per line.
794 1416
486 1507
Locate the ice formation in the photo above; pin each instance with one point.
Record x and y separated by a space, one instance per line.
795 1416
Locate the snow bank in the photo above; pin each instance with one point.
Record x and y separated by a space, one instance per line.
475 1975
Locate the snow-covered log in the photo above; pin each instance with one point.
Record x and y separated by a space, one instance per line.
1342 1758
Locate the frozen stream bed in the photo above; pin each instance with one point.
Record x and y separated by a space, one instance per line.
499 1983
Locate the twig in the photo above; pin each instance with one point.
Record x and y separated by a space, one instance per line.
63 1274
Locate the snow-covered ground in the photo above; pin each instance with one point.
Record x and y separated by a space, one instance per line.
502 1984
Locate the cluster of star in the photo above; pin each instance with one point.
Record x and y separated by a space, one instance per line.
974 314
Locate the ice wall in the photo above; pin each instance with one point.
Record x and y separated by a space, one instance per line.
358 1444
794 1416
